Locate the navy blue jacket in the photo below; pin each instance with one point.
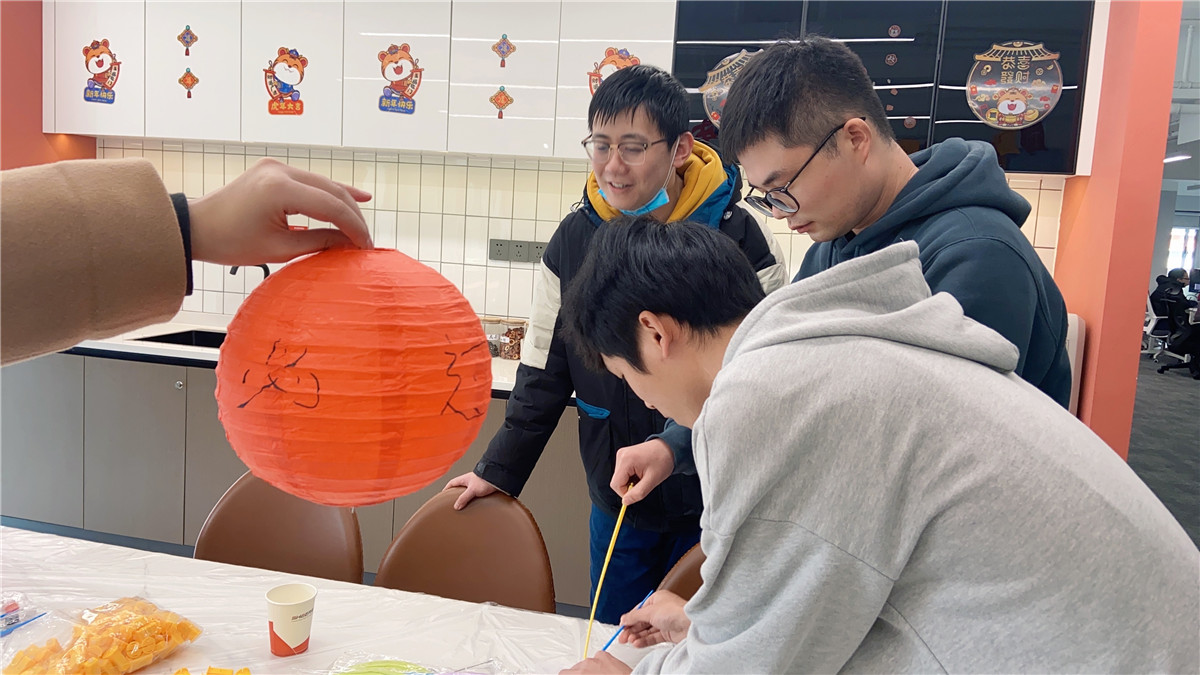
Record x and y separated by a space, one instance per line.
966 220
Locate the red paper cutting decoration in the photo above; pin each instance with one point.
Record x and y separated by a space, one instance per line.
353 377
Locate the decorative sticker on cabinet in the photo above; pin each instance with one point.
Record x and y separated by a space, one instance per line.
400 70
501 99
281 77
187 38
104 68
720 79
614 60
504 49
1014 85
188 80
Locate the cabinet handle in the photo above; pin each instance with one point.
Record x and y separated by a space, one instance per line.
179 384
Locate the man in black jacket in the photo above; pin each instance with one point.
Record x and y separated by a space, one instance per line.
644 161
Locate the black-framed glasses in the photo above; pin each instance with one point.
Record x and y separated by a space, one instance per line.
779 197
632 153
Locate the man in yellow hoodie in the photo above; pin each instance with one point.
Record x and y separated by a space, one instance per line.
644 161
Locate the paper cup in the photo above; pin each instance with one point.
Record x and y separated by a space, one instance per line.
289 617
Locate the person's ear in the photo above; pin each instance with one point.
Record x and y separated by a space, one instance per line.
684 150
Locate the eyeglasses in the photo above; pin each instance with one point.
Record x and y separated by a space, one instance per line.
779 197
632 153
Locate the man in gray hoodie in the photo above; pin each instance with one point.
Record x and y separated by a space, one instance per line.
882 493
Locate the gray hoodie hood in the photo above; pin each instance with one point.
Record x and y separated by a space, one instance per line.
881 295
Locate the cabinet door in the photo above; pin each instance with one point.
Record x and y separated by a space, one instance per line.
972 28
133 429
898 43
41 434
99 66
597 39
210 464
196 44
397 71
710 30
292 72
501 101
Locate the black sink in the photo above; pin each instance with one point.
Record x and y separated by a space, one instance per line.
195 338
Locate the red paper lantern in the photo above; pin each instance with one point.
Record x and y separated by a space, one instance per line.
353 377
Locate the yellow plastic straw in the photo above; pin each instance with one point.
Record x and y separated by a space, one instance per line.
600 584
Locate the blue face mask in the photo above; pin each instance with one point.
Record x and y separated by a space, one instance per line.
659 200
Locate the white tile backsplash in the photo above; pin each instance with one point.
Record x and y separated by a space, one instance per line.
442 209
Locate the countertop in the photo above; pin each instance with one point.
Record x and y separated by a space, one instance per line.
130 347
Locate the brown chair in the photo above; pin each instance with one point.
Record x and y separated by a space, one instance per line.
491 551
684 577
257 525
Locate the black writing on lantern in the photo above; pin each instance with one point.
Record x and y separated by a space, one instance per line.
285 379
450 407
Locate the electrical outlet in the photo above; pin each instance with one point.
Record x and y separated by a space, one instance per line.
520 251
539 248
498 249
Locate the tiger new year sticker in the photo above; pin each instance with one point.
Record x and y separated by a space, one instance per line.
281 77
403 77
1014 85
104 68
614 60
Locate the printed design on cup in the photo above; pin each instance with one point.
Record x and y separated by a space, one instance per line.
188 80
1014 84
504 49
289 618
501 99
104 68
614 60
187 38
281 77
403 76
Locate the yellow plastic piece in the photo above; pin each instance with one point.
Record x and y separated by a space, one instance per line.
121 662
243 671
107 668
212 670
140 662
182 671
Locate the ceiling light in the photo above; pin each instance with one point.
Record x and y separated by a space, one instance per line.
1176 158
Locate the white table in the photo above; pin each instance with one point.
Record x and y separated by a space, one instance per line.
228 602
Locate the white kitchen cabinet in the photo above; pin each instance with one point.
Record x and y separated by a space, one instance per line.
397 75
596 39
196 43
41 436
99 67
134 434
528 76
291 72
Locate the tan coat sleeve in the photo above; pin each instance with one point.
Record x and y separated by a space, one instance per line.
88 249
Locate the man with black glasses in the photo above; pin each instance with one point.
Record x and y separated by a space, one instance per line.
644 162
823 156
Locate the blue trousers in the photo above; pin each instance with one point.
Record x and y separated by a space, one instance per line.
640 560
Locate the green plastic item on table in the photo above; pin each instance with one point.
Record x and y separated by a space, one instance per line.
387 668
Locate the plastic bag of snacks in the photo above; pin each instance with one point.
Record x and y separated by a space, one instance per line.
114 639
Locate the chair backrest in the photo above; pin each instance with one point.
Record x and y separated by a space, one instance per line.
491 551
684 578
255 524
1076 337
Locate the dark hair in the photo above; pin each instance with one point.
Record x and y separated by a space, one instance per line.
1177 273
692 273
652 89
798 91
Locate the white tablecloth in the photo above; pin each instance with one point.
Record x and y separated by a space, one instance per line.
227 601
